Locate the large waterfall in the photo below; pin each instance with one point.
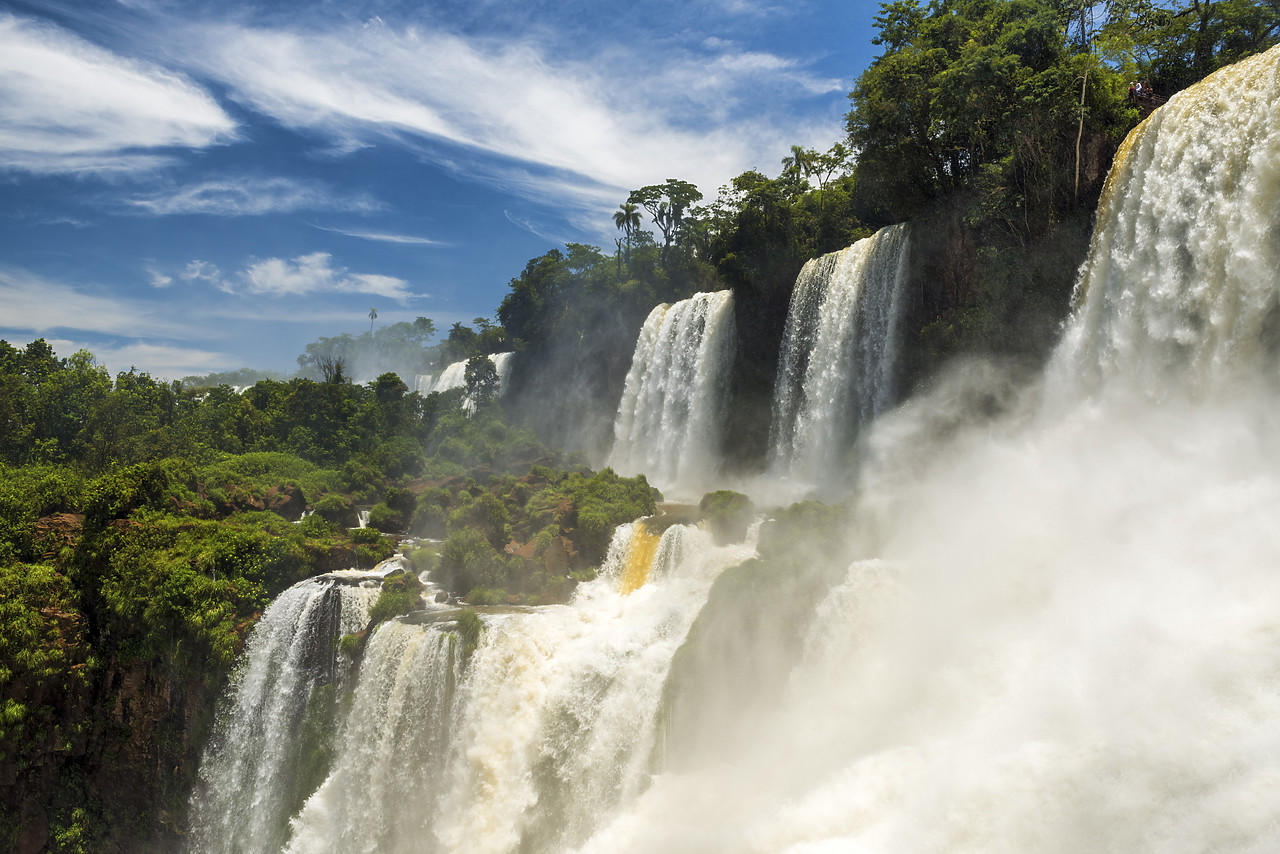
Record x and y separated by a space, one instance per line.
837 367
669 420
262 759
1183 277
1063 631
544 733
1054 630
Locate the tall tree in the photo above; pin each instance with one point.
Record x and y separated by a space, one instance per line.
667 204
627 220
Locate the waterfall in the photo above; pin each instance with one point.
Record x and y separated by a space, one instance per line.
393 748
544 733
1183 274
261 761
502 364
455 375
1058 633
837 366
672 405
1061 634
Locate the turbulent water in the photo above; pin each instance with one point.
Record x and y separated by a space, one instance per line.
669 420
1065 633
1061 631
544 733
839 353
455 375
254 772
1182 283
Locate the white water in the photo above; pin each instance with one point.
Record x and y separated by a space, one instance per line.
547 731
837 365
455 375
1183 282
248 774
1062 633
672 406
1069 637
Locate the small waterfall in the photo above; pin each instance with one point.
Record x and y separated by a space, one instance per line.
1182 282
455 375
262 760
502 364
836 370
672 405
543 734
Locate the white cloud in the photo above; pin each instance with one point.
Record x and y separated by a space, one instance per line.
162 361
384 237
30 303
67 105
576 132
313 273
207 272
250 197
159 280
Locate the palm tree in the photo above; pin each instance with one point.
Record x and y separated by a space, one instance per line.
627 219
799 166
373 315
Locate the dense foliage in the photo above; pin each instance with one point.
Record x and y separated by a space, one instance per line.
145 524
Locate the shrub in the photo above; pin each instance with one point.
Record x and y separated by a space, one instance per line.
384 518
469 628
729 514
336 509
401 593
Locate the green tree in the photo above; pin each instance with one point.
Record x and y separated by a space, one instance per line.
667 204
481 381
627 220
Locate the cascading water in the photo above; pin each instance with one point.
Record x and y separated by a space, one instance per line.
257 768
455 375
673 400
1183 276
1065 636
837 366
1060 635
393 747
545 732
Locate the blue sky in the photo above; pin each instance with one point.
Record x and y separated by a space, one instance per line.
190 187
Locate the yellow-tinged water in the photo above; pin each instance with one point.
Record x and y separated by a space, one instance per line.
640 554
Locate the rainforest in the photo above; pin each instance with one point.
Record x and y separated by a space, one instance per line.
918 497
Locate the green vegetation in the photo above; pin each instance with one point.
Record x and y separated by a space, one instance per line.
145 524
729 514
469 628
401 593
529 540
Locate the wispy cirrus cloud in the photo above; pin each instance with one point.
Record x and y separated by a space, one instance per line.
385 237
584 129
36 304
250 197
68 106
